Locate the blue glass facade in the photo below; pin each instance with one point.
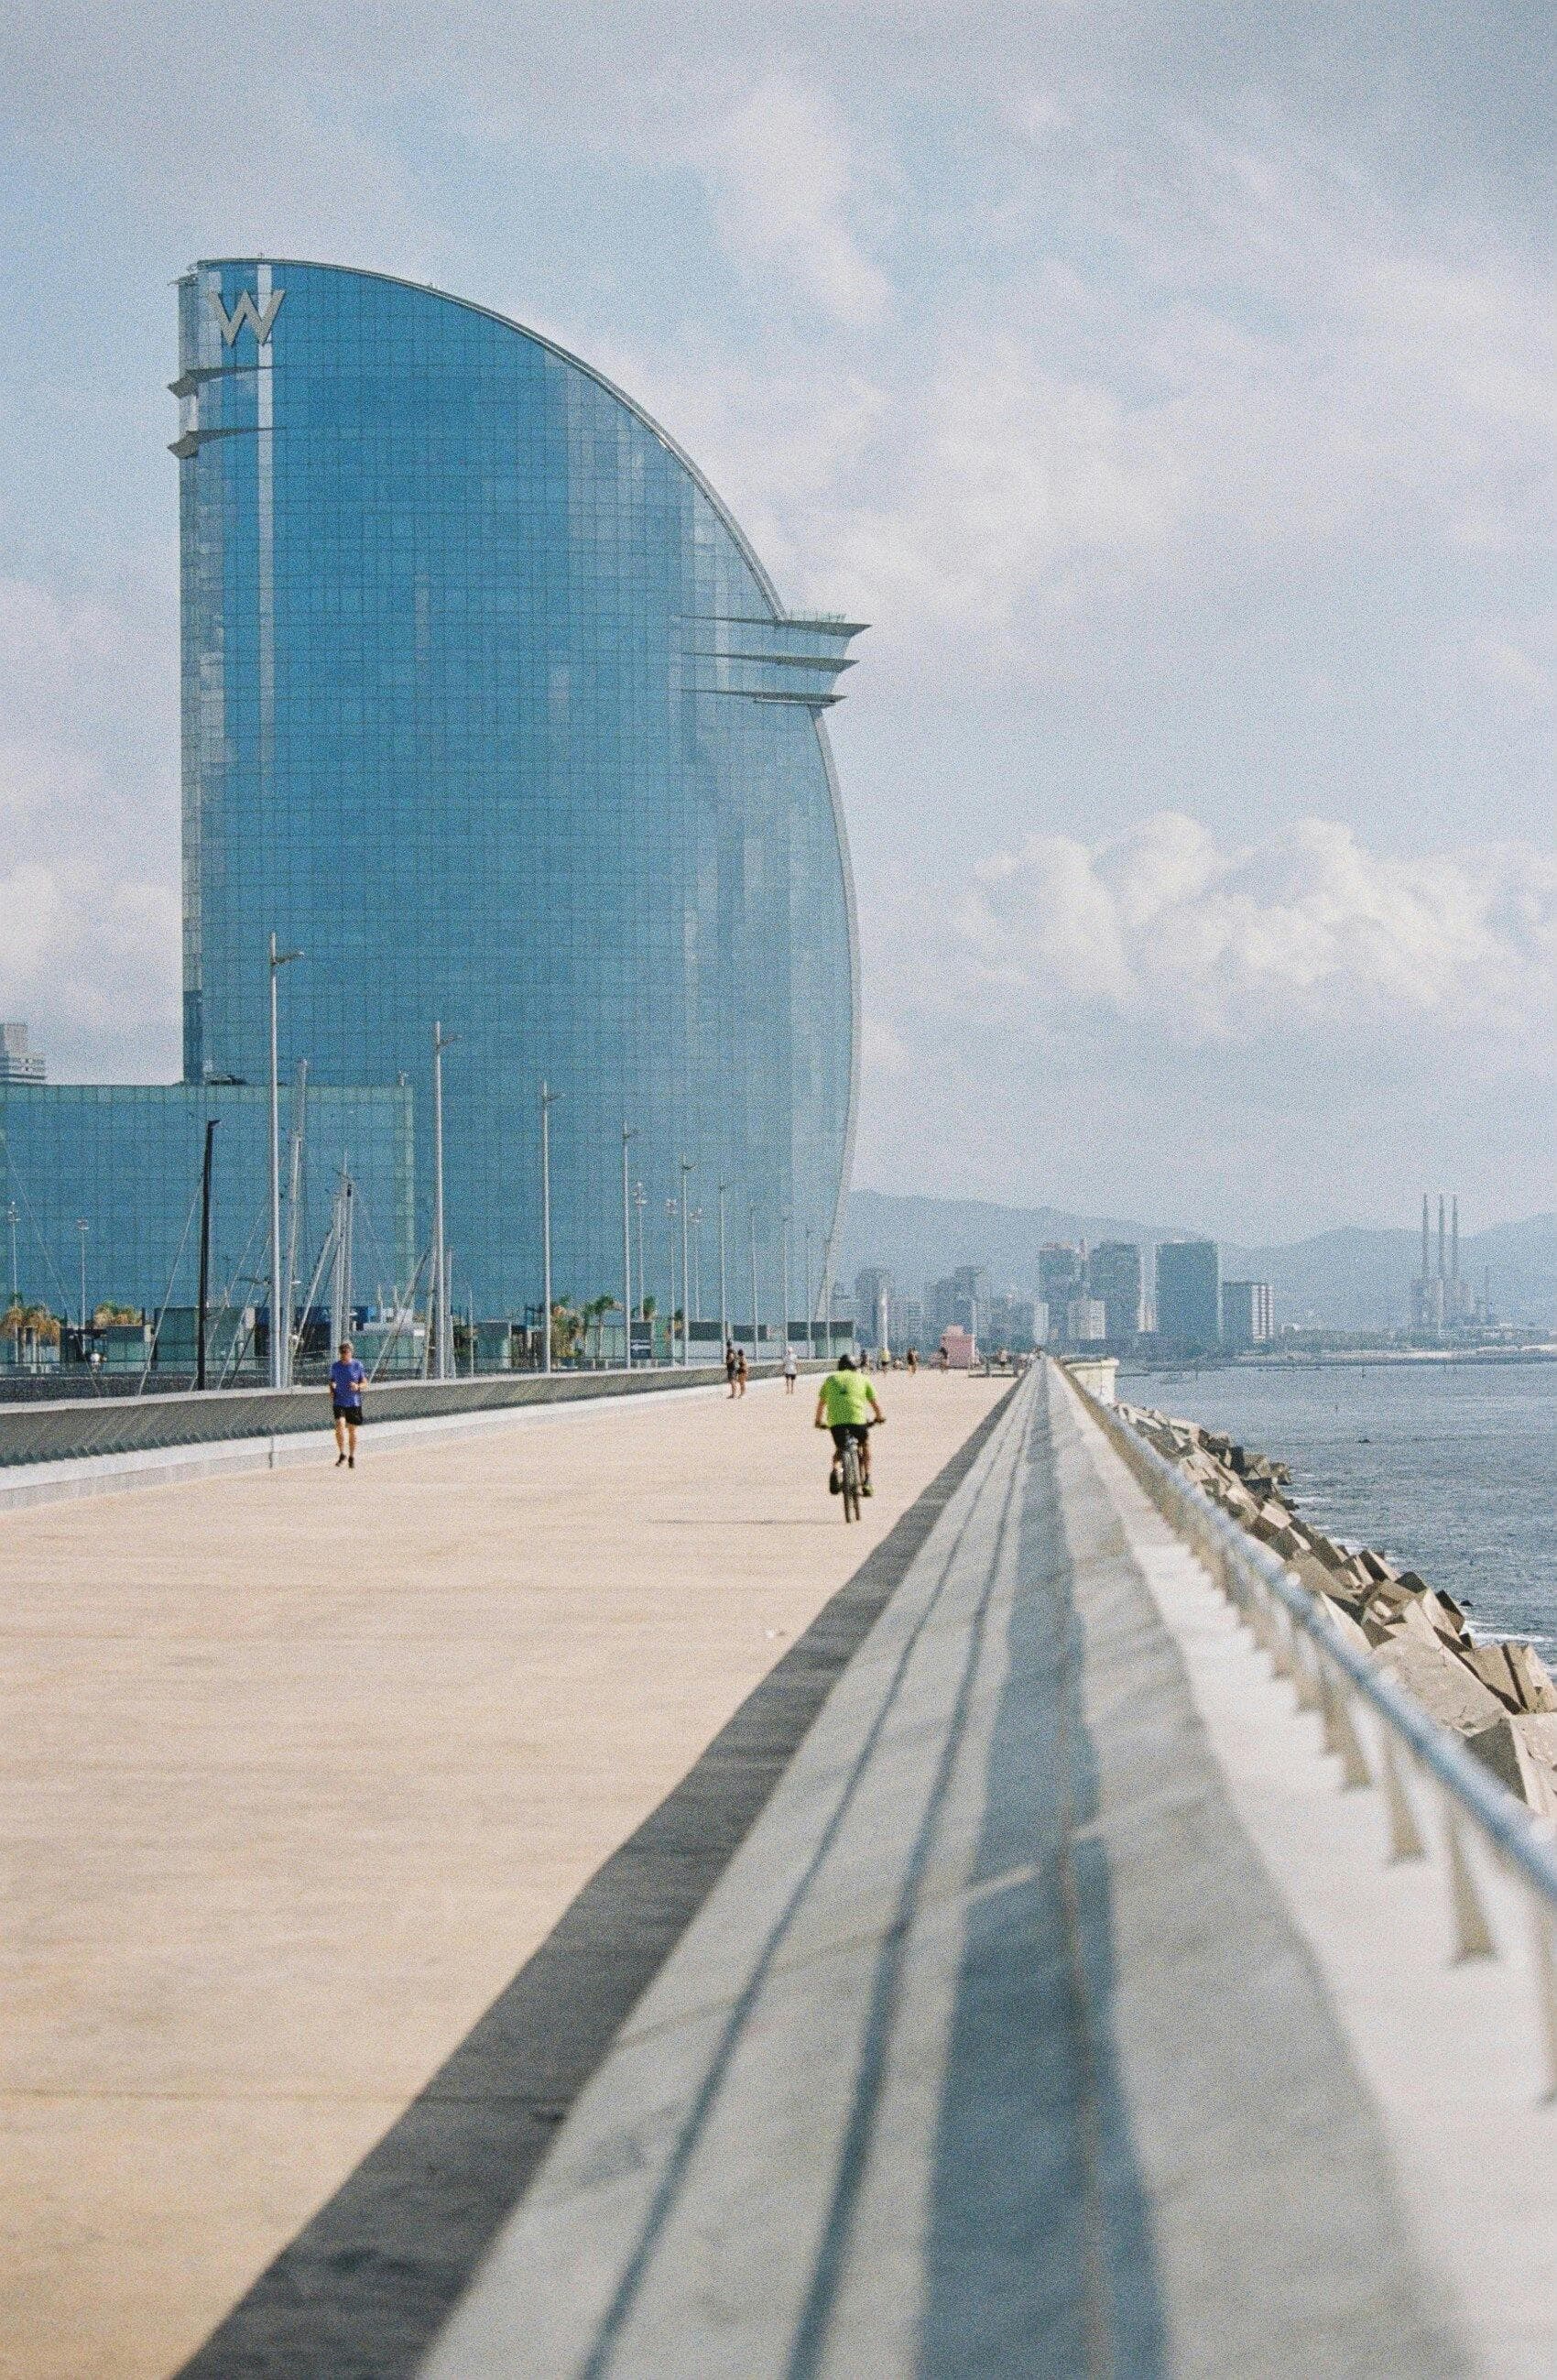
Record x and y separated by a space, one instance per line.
126 1157
489 708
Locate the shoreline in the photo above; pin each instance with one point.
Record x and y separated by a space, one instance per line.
1495 1693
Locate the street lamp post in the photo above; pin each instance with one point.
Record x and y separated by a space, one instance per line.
698 1263
546 1095
752 1214
724 1282
280 1328
12 1218
626 1251
441 1041
640 1200
784 1270
670 1264
687 1168
809 1309
82 1228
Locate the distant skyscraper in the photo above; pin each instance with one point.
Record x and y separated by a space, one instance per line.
1189 1287
909 1322
1013 1323
1248 1312
18 1063
1113 1275
1086 1322
1062 1278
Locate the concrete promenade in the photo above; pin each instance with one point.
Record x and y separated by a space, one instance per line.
298 1770
1057 2017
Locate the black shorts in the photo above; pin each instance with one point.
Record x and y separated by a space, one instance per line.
349 1412
844 1430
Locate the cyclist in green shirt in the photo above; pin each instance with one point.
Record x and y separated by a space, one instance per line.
847 1405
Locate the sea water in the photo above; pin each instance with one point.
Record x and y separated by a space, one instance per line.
1449 1469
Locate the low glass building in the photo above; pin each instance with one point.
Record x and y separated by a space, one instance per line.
126 1159
491 710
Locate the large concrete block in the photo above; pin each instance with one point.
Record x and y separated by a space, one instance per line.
1537 1688
1439 1679
1313 1574
1489 1663
1506 1747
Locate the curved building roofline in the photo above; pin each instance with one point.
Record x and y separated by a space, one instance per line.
564 355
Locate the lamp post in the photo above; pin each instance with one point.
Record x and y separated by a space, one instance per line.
441 1041
784 1268
626 1251
11 1217
280 1328
724 1283
546 1095
687 1168
640 1200
81 1227
670 1264
809 1309
698 1263
751 1217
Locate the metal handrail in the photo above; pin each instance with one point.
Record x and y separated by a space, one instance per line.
1305 1644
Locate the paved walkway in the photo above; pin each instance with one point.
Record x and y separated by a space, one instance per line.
998 2048
300 1769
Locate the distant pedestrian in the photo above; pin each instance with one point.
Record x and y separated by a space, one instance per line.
730 1364
741 1372
911 1360
347 1380
791 1371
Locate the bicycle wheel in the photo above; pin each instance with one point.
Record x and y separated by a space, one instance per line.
850 1481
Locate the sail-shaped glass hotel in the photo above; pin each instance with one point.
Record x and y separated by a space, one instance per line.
490 709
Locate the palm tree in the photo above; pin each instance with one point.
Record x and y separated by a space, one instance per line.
595 1314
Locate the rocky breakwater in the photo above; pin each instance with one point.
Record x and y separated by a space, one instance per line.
1500 1697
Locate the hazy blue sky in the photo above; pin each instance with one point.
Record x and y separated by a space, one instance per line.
1172 384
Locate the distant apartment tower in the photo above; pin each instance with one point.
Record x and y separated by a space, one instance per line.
1086 1322
873 1307
1248 1312
1062 1279
1189 1293
18 1063
907 1322
960 1302
1013 1324
1114 1274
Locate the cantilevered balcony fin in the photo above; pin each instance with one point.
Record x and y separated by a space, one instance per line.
798 657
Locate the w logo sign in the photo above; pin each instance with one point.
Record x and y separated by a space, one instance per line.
246 310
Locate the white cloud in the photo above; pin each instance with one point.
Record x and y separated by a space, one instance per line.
89 938
1307 937
788 189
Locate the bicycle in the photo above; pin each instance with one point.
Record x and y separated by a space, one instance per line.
848 1464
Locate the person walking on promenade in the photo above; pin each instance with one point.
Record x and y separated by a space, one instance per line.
346 1380
845 1403
791 1371
741 1371
911 1360
730 1364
